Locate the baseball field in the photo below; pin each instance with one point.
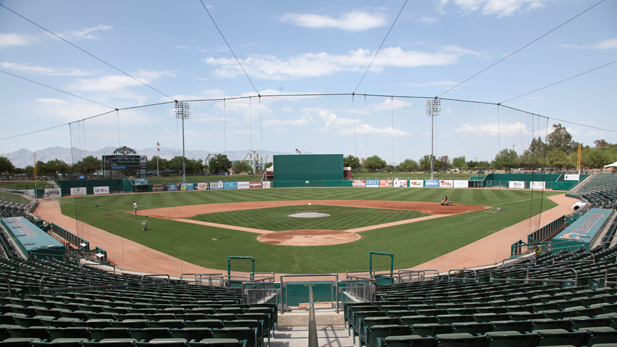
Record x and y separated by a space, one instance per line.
205 227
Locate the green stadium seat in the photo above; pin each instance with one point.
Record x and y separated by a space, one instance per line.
512 325
168 342
214 342
368 322
430 329
453 318
246 336
147 334
417 319
376 333
408 341
473 328
551 337
205 323
460 340
192 334
548 323
511 339
600 335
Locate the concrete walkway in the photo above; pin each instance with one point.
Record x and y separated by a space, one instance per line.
327 336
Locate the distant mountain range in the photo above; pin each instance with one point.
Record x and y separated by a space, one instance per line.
23 157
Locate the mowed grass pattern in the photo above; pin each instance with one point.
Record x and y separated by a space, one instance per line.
277 218
412 244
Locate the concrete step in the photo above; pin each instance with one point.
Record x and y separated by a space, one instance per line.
327 336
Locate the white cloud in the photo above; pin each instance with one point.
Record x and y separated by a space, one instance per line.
116 83
493 129
608 44
389 104
427 20
351 21
345 126
44 70
319 64
84 33
499 7
51 101
12 39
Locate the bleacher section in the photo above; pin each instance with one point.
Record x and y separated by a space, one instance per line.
563 299
16 209
50 302
600 191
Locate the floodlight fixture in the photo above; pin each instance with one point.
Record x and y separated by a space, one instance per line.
433 108
183 112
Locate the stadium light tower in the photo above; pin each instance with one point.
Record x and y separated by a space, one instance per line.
433 108
182 112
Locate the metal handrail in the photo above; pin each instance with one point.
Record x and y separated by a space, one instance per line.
421 274
606 281
8 293
529 279
335 282
312 321
475 274
371 274
371 282
201 276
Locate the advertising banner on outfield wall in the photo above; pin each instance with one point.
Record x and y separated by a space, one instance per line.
446 183
101 190
202 186
538 185
431 183
174 187
141 182
400 183
216 185
385 183
78 191
230 185
358 183
187 186
372 183
266 184
244 185
461 184
572 177
516 184
158 187
53 192
416 183
255 185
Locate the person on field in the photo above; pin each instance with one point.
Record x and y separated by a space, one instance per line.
135 206
446 198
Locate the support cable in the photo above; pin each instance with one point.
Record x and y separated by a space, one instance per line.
88 53
520 49
228 46
378 49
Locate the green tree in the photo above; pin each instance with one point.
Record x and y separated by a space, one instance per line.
425 163
409 165
219 164
472 164
506 159
557 158
561 139
444 163
6 167
459 162
598 158
374 163
268 164
241 166
175 163
88 165
352 162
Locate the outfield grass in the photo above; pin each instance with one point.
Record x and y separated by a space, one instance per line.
276 218
23 185
412 244
13 197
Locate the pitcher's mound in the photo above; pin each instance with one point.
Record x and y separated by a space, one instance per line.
308 237
308 215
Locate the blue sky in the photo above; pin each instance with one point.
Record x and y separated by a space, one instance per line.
290 47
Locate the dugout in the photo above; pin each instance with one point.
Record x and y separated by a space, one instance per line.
30 240
309 170
584 232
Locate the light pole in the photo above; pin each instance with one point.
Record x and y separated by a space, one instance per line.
182 112
433 108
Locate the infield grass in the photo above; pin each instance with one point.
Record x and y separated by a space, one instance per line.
412 244
277 218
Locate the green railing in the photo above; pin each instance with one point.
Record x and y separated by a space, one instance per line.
538 237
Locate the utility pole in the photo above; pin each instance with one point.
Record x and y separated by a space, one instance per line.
182 112
433 108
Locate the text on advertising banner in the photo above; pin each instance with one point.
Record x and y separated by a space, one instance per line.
230 185
461 184
202 186
358 183
266 184
385 183
255 185
187 186
101 190
372 183
431 183
516 184
416 183
244 185
446 183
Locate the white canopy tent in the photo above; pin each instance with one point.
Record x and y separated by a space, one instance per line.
611 165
